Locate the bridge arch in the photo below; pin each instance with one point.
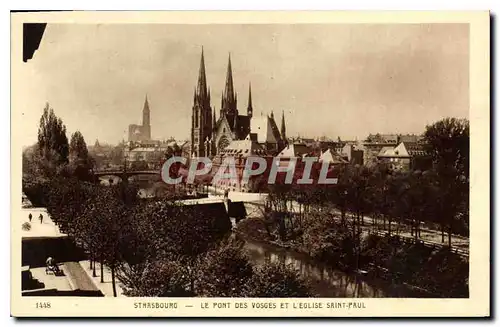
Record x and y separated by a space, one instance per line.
119 175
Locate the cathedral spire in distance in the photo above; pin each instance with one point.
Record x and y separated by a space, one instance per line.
146 120
146 113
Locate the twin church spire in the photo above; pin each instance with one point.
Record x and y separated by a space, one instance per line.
229 98
207 137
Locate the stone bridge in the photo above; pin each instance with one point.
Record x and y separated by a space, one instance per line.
124 175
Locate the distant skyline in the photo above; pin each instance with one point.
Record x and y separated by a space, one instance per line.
330 80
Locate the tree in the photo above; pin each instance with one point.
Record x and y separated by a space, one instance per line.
80 161
167 230
159 278
52 141
275 279
448 142
109 220
224 272
117 154
78 147
328 239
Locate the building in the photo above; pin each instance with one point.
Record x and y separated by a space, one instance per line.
240 151
149 154
405 156
295 150
333 158
210 135
352 154
265 132
336 163
374 143
141 132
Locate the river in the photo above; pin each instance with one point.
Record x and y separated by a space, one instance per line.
326 281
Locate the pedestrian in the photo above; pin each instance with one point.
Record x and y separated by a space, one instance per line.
41 218
50 262
30 216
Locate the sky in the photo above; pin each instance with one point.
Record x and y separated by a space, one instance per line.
329 79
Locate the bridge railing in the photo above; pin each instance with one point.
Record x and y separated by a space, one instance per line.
120 171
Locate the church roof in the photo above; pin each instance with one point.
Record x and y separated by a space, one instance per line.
266 130
242 125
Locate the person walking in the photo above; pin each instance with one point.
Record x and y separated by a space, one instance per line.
30 216
41 218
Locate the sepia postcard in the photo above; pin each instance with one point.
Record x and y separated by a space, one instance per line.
250 164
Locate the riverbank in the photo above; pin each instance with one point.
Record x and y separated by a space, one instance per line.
396 277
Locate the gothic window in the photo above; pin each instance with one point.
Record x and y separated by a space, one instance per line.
196 119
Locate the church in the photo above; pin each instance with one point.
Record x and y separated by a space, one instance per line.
138 133
211 135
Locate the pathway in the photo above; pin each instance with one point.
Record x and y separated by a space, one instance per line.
78 277
107 287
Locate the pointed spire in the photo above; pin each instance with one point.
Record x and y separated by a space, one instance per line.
229 97
146 113
202 78
283 128
249 107
146 103
229 78
272 114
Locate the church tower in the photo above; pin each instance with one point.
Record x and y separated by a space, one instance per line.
201 122
146 120
229 100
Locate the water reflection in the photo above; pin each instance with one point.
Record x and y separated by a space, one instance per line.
328 282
